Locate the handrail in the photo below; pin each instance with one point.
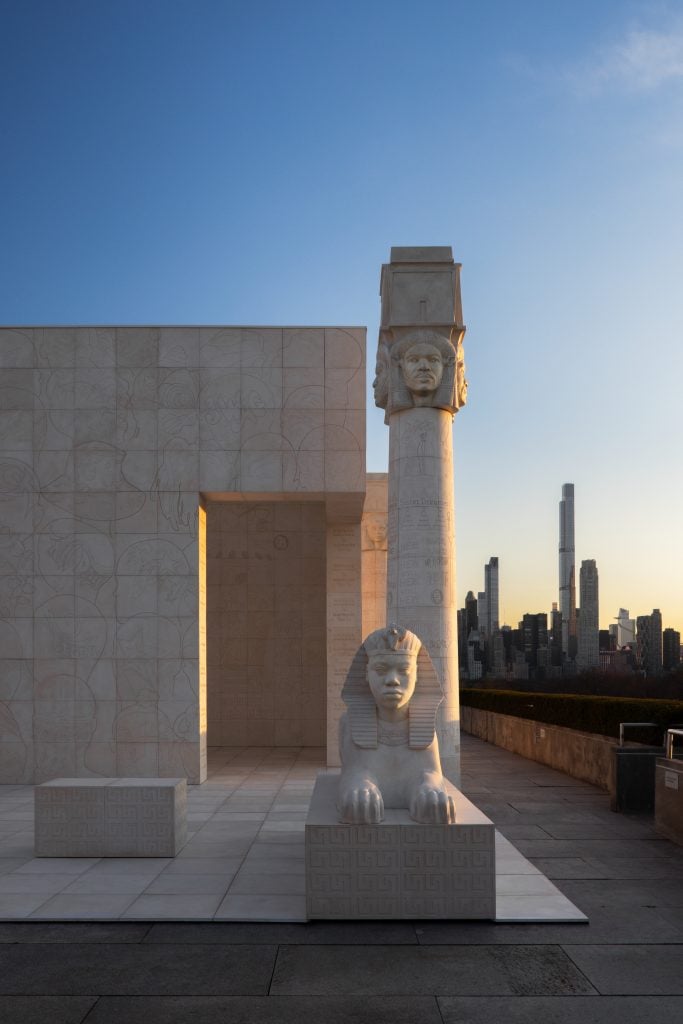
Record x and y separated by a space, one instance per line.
631 725
670 733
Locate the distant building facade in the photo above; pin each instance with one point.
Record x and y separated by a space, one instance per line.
589 624
567 572
671 649
649 642
491 594
626 629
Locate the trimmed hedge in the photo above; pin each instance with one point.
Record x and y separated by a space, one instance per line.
575 711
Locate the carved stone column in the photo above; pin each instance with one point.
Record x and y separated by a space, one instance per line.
420 383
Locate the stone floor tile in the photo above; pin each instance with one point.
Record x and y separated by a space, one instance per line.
646 926
20 905
672 917
194 866
426 970
550 906
8 864
569 867
631 970
80 906
627 893
39 1009
51 884
147 969
261 882
257 907
57 865
173 906
173 883
524 884
273 1010
93 884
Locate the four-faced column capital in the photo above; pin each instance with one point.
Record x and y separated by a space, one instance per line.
420 366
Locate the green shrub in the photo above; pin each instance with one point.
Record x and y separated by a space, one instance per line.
573 711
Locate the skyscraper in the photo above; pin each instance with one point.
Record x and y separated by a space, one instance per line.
487 603
567 572
672 649
555 638
483 613
471 616
626 628
491 591
589 624
649 640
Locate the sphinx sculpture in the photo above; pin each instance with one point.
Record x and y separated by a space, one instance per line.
389 750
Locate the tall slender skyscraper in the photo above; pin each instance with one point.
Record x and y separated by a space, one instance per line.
567 572
483 613
589 625
491 589
487 603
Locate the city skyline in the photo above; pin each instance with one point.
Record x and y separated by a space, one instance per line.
567 564
254 166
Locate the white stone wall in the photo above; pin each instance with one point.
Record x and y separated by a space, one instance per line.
108 437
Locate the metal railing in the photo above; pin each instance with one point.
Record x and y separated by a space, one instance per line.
669 746
632 725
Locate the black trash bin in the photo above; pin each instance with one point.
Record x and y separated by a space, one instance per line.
633 779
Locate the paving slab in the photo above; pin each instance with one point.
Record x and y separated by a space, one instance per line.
72 931
39 1009
648 925
433 970
559 1010
312 933
631 970
273 1010
84 969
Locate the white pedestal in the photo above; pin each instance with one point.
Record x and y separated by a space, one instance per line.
110 817
399 868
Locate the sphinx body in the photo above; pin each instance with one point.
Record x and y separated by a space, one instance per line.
388 745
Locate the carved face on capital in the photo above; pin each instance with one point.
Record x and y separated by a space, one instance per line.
380 384
460 379
422 367
392 676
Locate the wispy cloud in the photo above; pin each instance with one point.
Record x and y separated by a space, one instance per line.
643 60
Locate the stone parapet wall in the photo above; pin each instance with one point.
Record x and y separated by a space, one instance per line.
585 756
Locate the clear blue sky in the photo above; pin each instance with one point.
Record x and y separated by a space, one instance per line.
252 162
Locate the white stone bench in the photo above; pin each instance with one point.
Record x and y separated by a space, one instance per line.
110 817
398 868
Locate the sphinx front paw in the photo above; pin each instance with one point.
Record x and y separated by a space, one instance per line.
432 806
361 804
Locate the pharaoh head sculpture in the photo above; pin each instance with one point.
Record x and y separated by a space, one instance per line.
422 371
375 529
422 687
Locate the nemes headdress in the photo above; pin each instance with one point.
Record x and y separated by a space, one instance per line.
358 697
